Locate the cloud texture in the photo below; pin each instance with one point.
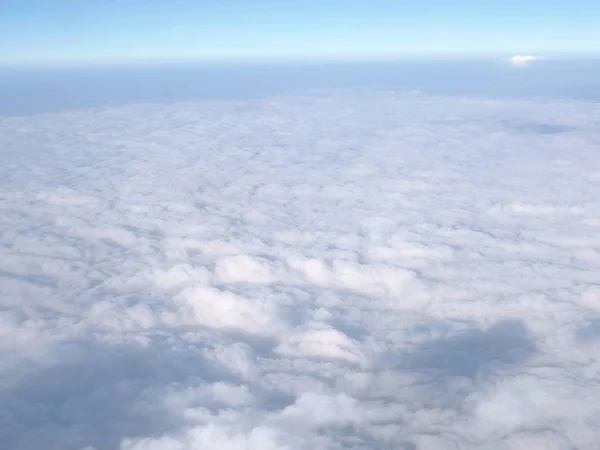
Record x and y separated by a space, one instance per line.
363 270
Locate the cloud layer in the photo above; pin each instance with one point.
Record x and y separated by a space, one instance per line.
327 270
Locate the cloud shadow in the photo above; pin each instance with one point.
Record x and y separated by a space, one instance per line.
99 394
473 352
539 128
449 368
590 331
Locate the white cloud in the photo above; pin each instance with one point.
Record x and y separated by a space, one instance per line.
325 343
523 60
323 410
225 310
328 270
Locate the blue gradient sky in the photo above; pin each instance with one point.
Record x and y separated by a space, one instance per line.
57 32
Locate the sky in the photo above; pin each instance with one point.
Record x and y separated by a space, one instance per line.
333 269
67 32
347 254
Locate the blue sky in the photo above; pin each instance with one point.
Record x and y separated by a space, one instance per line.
100 31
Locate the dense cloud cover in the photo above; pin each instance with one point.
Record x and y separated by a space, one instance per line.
365 269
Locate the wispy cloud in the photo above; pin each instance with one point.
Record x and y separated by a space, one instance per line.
523 60
361 270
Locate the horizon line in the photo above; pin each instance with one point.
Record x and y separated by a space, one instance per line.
431 56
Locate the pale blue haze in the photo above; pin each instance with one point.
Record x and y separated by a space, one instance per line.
66 32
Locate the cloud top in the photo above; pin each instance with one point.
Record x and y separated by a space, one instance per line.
523 60
363 270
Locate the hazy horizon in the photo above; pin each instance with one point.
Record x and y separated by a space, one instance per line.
28 91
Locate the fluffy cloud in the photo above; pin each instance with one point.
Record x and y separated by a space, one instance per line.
326 270
523 60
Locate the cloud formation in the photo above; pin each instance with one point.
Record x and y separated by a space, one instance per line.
523 60
324 270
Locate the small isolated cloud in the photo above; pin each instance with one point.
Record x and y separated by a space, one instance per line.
523 60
